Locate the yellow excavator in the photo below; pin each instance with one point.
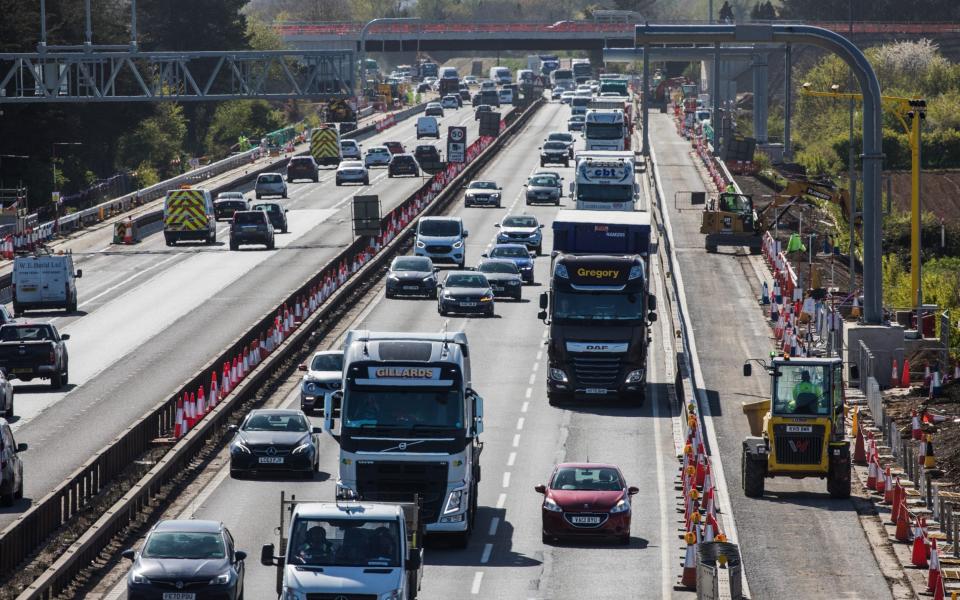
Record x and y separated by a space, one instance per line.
801 189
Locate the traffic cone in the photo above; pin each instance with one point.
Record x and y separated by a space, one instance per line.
214 392
297 315
245 363
201 403
178 427
929 461
225 382
882 478
777 292
894 375
774 313
935 384
922 453
919 555
934 576
872 474
701 473
128 232
905 374
926 374
902 533
859 452
188 410
689 577
855 310
915 432
898 497
765 294
888 489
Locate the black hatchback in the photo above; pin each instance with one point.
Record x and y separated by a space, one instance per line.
186 559
403 164
251 227
303 167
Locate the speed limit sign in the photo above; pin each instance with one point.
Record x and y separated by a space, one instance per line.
456 134
456 144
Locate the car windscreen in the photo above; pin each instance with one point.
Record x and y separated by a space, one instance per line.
543 182
420 265
466 281
558 146
483 185
439 228
327 362
498 267
270 179
560 137
509 252
344 543
184 545
519 222
248 218
587 479
275 422
580 101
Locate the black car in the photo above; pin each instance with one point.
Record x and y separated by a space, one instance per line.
491 97
303 167
276 213
464 93
11 467
433 109
186 559
476 99
555 153
504 277
223 209
403 164
251 227
480 109
561 136
426 154
411 276
274 440
466 292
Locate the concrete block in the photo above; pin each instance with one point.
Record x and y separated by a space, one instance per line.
884 342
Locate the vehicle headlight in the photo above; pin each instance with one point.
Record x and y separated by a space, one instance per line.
513 282
393 277
458 244
240 447
303 448
621 507
487 298
526 267
289 594
494 195
221 579
634 376
454 501
552 506
561 271
558 375
421 244
139 579
635 272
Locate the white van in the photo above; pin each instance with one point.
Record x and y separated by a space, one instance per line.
428 127
42 281
500 75
505 95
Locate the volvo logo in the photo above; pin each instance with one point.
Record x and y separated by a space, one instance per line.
179 585
272 451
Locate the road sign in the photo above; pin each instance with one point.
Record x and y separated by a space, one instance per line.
55 196
456 144
366 215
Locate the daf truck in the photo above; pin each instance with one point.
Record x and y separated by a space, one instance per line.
599 307
347 550
410 425
604 180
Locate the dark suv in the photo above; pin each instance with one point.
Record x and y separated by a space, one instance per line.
276 213
426 154
302 167
251 227
403 164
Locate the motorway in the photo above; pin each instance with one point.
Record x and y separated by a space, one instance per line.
150 315
524 437
796 541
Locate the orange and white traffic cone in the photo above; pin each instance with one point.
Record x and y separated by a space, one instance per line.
915 430
934 576
225 382
902 533
905 374
919 555
178 427
710 529
894 375
859 451
872 474
898 497
689 577
888 489
202 408
214 392
882 477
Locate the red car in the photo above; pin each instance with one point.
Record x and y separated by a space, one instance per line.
394 147
586 500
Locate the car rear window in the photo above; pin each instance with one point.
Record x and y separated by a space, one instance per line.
301 161
270 208
248 218
270 179
25 333
419 265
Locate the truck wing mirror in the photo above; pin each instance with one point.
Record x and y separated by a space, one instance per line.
652 302
65 336
413 560
747 369
544 301
79 273
266 555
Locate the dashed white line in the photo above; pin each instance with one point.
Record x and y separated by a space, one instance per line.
535 367
506 479
511 459
539 355
529 392
485 557
477 578
516 441
520 422
533 377
526 404
494 523
501 500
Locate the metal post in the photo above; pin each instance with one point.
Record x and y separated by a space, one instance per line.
133 25
710 11
715 119
916 283
644 99
853 210
42 46
787 103
89 32
760 98
363 45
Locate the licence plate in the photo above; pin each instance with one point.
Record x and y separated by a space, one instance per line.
799 429
468 304
271 460
585 520
23 370
249 227
598 391
411 288
29 288
179 596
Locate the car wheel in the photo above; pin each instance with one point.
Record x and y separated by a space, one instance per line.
234 246
19 493
235 474
284 195
9 413
8 499
624 540
17 311
389 174
518 297
271 245
366 181
499 205
338 182
56 381
289 180
259 196
388 295
540 250
440 310
547 539
284 230
556 202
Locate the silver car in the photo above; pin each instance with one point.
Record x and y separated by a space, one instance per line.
521 229
323 377
542 188
482 193
270 184
378 156
352 171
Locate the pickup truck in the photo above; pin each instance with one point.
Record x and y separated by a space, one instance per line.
34 350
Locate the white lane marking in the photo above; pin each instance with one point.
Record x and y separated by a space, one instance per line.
666 571
545 332
520 423
494 523
506 479
539 355
529 392
501 500
511 459
130 278
536 366
485 557
533 377
477 578
516 441
526 405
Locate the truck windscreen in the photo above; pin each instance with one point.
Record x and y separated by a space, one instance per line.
403 408
604 131
345 543
604 193
577 306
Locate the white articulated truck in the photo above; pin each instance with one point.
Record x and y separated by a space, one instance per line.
604 130
410 425
604 180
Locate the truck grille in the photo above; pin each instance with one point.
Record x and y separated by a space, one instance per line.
439 249
399 481
798 448
596 369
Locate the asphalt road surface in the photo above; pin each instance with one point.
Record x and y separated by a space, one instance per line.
524 437
796 541
150 315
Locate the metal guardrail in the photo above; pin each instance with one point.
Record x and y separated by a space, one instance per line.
23 537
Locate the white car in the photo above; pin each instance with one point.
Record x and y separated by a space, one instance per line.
470 80
270 184
449 102
584 87
566 97
321 380
429 80
350 149
352 171
488 85
378 156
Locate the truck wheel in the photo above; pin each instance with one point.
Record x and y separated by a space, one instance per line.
711 248
9 413
838 476
56 382
753 472
461 539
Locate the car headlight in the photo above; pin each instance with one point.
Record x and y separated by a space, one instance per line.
634 376
221 579
311 388
139 579
393 277
526 267
621 507
513 282
454 501
558 375
458 244
421 244
240 447
487 298
303 448
289 594
552 506
494 195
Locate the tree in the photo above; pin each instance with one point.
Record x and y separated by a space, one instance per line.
156 141
726 13
250 118
190 25
763 11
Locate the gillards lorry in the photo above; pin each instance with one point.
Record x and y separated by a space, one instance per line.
599 307
410 425
347 550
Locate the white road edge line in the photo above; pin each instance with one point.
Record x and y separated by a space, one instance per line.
477 578
666 562
501 500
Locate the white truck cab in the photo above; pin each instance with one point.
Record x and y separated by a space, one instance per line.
43 280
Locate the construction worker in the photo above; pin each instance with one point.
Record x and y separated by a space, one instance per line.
806 395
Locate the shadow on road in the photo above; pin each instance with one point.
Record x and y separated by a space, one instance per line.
614 406
502 555
820 500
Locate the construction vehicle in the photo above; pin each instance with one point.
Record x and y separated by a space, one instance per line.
821 189
799 431
325 145
730 220
355 549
